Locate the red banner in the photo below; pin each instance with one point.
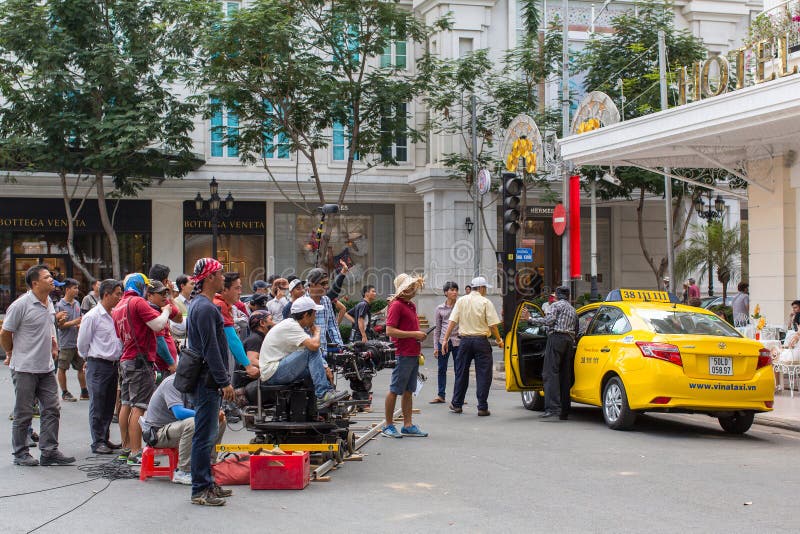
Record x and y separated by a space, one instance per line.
575 227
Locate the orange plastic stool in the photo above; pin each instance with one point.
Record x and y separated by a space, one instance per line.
149 468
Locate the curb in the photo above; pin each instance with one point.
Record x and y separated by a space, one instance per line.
761 420
785 424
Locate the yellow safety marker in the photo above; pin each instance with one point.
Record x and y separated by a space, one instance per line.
252 447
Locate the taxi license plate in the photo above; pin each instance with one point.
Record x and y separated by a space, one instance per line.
720 365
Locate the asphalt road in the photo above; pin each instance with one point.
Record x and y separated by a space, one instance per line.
508 472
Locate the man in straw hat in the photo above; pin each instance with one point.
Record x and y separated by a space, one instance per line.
476 319
402 326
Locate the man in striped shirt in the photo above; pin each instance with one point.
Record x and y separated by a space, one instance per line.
561 322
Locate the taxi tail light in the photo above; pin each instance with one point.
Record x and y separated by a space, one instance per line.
661 400
764 358
769 404
661 351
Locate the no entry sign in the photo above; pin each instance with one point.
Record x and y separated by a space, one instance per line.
559 219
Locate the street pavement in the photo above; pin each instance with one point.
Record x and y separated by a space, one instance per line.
509 472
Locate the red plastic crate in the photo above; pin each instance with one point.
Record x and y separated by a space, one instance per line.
291 471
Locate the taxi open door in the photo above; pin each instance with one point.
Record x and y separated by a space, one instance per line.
524 352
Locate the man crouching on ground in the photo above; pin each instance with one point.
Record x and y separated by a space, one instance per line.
402 326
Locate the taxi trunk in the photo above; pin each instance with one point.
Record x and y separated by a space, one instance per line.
717 357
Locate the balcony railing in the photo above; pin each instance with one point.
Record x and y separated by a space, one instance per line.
777 20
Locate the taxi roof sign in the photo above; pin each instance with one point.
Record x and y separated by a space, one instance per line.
642 295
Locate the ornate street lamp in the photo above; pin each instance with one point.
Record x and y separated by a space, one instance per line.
211 209
710 215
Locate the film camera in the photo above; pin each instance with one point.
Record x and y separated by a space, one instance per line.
358 362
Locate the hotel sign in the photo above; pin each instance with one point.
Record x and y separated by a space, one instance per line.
695 82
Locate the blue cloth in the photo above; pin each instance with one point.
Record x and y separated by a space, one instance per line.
298 365
163 351
236 347
205 335
404 376
444 359
181 412
206 426
287 310
329 328
135 282
478 349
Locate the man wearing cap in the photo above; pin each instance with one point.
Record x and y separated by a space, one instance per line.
206 336
402 326
666 283
260 324
562 330
297 288
289 353
28 337
166 350
476 319
260 287
326 318
257 302
136 324
68 340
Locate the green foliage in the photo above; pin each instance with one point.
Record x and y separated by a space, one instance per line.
344 330
294 68
87 88
713 245
727 311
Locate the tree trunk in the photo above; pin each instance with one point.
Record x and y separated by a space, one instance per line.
71 229
639 224
108 227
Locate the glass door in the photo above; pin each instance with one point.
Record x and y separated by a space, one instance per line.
58 264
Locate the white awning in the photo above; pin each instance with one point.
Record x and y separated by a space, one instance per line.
754 123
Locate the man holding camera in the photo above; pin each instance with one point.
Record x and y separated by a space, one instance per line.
136 324
289 353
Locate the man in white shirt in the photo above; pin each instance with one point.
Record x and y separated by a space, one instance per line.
289 354
98 342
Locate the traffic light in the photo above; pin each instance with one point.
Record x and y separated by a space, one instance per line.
512 189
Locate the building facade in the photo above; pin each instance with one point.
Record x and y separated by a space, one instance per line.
405 218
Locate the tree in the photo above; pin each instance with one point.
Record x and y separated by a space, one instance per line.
630 54
87 90
712 246
305 75
501 91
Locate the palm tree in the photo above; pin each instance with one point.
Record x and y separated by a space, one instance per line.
712 245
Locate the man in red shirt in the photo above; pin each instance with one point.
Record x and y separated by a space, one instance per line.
694 291
136 324
402 326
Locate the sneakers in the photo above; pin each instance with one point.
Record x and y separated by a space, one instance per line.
220 492
84 394
390 431
455 409
330 397
56 458
413 431
207 498
67 397
103 449
182 477
26 460
123 455
135 459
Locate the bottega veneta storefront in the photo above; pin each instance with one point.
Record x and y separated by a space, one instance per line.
34 231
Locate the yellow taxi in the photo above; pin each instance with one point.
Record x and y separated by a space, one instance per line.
639 352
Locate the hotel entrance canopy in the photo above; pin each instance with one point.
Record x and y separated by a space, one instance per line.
728 132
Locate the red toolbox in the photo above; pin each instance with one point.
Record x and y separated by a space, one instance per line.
290 471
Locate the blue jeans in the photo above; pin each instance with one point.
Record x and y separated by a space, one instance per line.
444 359
299 365
206 423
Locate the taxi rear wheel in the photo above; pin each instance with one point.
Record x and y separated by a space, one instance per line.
738 423
616 411
533 400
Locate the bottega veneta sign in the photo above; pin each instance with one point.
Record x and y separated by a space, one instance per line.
695 81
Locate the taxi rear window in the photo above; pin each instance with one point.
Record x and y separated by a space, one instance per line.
668 321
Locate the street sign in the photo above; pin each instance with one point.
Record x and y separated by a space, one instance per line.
525 255
484 181
559 219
